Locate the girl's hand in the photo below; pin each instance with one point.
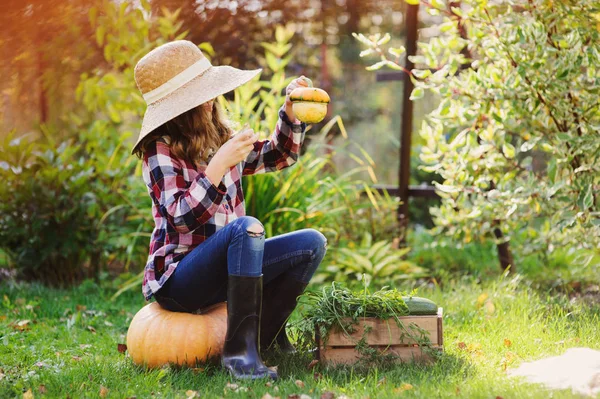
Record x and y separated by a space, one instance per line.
237 148
298 82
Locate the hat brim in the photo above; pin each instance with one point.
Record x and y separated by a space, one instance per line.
217 80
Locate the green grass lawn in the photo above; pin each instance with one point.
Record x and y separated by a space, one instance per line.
64 342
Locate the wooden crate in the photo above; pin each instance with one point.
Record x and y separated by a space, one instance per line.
386 336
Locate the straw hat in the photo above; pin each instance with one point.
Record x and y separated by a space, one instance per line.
177 77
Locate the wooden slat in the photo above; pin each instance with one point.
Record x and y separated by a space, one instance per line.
440 317
394 76
413 191
412 23
349 355
385 76
387 332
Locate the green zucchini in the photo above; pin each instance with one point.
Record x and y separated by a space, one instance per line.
420 306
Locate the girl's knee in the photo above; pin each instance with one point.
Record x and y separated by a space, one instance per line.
251 226
321 239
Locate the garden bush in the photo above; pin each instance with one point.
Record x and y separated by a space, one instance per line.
73 205
44 202
516 134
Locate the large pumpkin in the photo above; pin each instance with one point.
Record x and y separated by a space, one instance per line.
309 103
157 336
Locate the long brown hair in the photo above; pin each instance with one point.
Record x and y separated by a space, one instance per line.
193 134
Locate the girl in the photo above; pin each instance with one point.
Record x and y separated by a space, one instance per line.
204 249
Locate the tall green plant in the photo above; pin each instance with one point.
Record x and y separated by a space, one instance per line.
83 196
369 261
516 137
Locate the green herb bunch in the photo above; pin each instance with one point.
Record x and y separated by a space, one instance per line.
336 306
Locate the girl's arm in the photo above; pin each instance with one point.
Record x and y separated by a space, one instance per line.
185 206
278 152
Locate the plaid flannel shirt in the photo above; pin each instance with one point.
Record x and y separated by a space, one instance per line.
188 208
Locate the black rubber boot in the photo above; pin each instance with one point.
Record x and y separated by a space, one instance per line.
279 301
241 355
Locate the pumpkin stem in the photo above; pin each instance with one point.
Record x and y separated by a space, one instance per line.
308 81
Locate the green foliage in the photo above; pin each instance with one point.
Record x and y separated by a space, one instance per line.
369 262
45 199
516 137
257 102
338 308
85 192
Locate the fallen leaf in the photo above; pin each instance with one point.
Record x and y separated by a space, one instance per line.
293 396
76 358
80 307
299 384
474 349
305 396
122 348
28 394
267 396
85 346
481 299
462 346
231 386
507 342
327 395
103 391
92 329
191 394
489 307
403 387
22 325
42 389
312 364
2 317
509 357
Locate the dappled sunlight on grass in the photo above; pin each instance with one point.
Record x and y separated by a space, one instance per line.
66 341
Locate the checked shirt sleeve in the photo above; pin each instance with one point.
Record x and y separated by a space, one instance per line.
185 206
278 152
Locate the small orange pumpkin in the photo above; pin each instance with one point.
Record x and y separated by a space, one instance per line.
157 336
309 103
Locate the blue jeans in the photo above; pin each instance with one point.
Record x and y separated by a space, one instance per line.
239 248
